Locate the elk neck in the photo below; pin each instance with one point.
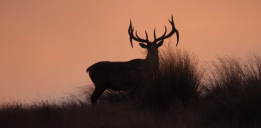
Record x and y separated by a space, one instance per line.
152 58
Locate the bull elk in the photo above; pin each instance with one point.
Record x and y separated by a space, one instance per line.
124 75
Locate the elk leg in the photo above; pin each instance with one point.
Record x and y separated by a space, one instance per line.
96 94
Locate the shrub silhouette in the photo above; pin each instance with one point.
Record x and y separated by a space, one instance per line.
234 90
177 79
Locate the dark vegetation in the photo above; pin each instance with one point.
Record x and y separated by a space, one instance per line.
184 93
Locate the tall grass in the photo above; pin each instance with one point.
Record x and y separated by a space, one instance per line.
177 80
233 93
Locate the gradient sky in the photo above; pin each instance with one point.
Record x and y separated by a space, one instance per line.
46 45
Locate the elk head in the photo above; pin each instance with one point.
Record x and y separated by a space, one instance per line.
145 43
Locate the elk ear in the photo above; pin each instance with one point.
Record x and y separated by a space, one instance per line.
143 45
160 43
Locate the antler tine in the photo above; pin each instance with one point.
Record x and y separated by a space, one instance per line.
172 22
146 35
155 34
137 38
173 27
165 31
177 33
130 31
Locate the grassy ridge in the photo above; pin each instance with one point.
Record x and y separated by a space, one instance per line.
230 96
234 93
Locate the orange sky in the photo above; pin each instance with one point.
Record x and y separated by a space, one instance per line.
46 46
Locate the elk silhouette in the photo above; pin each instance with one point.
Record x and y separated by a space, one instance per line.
125 75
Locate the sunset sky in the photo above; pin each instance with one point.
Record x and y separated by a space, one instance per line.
46 45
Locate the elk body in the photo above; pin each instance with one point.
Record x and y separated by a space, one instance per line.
125 75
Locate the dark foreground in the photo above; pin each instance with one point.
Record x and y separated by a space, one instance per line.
225 93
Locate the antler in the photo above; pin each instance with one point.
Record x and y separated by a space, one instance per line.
170 34
137 38
164 36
